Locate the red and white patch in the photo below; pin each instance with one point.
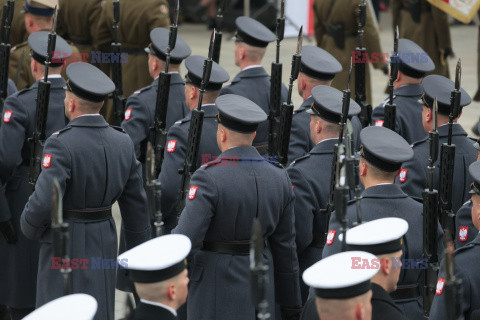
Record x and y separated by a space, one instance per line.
47 160
440 286
330 237
128 114
192 192
379 123
402 176
463 234
171 145
7 116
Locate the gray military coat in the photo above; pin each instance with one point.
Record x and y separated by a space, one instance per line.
95 165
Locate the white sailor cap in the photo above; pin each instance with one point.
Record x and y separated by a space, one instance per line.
339 276
78 306
158 259
377 237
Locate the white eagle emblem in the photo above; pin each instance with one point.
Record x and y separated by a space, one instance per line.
440 285
192 192
47 160
330 237
128 114
171 146
463 234
7 116
403 175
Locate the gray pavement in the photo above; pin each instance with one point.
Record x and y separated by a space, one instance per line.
464 45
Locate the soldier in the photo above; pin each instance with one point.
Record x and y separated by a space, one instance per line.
18 33
145 15
382 154
95 165
317 67
414 63
342 292
140 109
383 238
78 306
224 198
79 28
158 268
413 177
466 231
18 126
176 148
253 82
465 264
427 26
310 174
336 23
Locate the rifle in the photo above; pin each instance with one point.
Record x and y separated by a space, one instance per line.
195 132
286 111
352 171
453 285
159 129
333 177
7 18
390 108
60 236
447 159
341 194
118 99
152 188
276 90
218 33
258 272
430 221
365 115
43 97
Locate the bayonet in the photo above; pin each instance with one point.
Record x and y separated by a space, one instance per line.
341 194
57 207
453 285
349 74
218 34
258 272
119 100
152 188
172 36
5 46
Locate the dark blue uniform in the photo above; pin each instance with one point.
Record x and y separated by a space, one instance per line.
413 178
466 268
466 231
96 166
140 112
389 200
18 273
224 198
145 311
408 113
174 156
254 84
310 176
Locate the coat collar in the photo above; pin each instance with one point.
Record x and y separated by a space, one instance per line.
378 293
384 191
305 105
89 121
175 79
148 311
243 153
55 83
251 73
211 111
324 147
457 130
409 90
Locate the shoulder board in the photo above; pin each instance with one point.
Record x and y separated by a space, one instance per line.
387 100
273 162
300 159
23 91
61 131
142 90
466 203
420 200
211 163
352 201
465 247
416 143
18 46
473 139
118 129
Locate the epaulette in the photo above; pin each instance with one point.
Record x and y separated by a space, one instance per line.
416 143
387 100
118 128
20 92
273 161
20 45
418 199
142 90
473 139
352 201
56 133
306 156
467 202
211 163
465 247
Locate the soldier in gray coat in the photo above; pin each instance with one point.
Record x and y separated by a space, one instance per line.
141 105
413 177
224 198
253 82
414 64
95 165
176 148
18 273
310 175
382 154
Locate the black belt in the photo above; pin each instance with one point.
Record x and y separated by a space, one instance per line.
88 215
131 50
406 293
81 42
233 248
